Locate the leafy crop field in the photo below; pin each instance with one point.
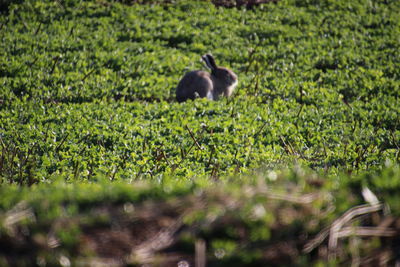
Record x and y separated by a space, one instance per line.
94 147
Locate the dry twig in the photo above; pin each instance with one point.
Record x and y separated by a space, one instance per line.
337 229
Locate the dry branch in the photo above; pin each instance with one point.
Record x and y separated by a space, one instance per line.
345 218
194 139
337 229
366 231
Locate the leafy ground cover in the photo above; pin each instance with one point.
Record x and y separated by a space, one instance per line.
88 88
87 97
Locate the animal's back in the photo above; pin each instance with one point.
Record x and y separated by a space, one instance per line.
194 82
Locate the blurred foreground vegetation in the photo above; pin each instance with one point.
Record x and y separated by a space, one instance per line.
273 218
100 165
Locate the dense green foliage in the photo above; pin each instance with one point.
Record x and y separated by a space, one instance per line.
88 88
87 95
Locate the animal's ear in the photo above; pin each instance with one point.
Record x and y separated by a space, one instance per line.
209 60
212 61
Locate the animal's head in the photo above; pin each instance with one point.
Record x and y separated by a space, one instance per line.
224 75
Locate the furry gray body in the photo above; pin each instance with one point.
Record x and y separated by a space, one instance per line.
198 83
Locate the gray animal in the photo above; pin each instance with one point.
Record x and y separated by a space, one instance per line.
198 83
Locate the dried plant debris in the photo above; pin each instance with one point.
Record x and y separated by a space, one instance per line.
261 222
